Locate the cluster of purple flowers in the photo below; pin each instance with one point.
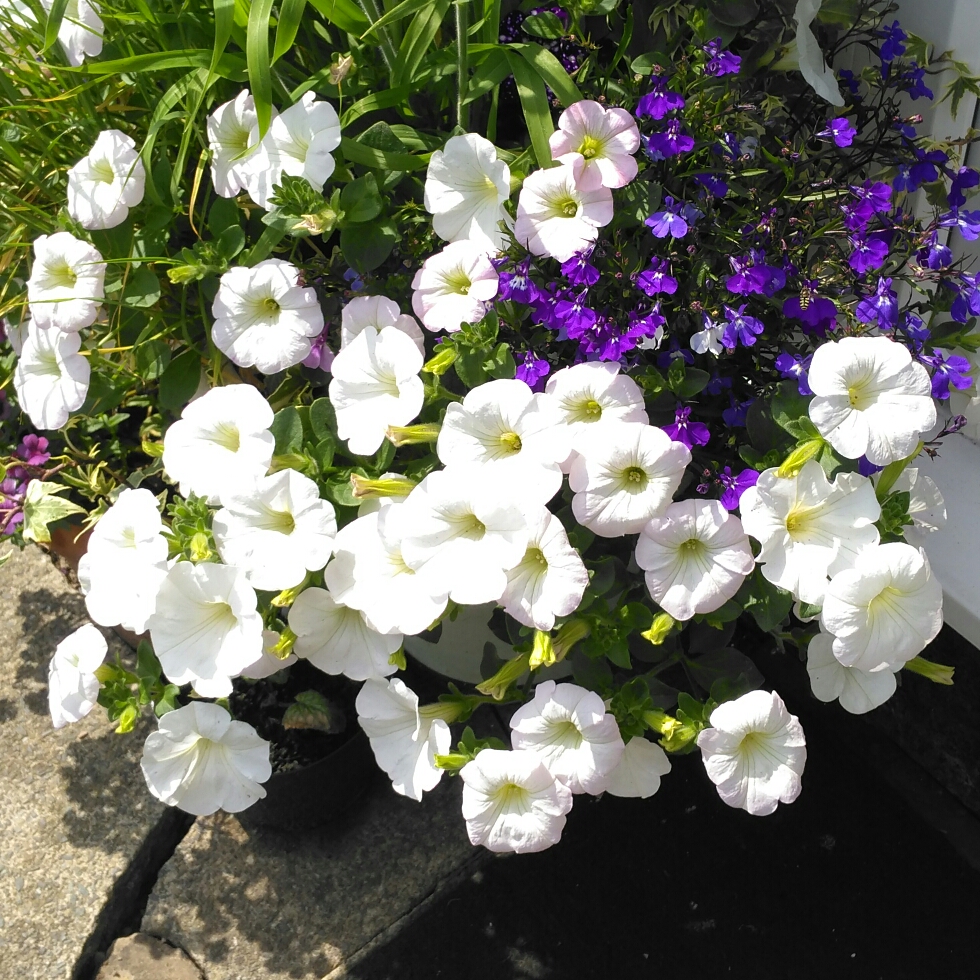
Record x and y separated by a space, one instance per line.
33 452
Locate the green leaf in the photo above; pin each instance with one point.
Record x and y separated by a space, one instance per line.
370 103
405 9
685 382
224 213
142 289
367 156
259 68
733 13
501 363
550 70
418 39
323 419
268 240
768 604
366 246
53 24
43 506
324 452
229 66
491 73
287 427
344 13
179 381
290 17
534 102
469 367
360 200
546 25
152 358
230 242
788 405
312 710
727 664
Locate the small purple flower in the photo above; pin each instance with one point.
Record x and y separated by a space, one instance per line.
735 416
934 255
925 170
962 180
720 62
518 285
740 328
666 355
712 183
672 142
684 430
575 316
33 450
658 101
840 130
967 303
320 355
968 223
870 252
914 328
656 278
543 306
867 468
912 81
880 307
853 85
356 282
795 368
877 194
675 220
734 486
717 383
579 271
12 493
949 370
649 328
817 313
751 274
532 369
892 45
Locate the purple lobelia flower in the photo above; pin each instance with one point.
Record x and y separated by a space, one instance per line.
579 271
574 315
12 493
712 183
735 416
543 306
867 468
656 278
658 101
648 328
934 255
881 307
532 370
870 251
817 313
720 62
320 355
949 370
912 81
356 282
675 220
914 328
751 274
672 142
968 223
666 355
518 285
876 194
740 328
962 180
840 130
717 383
967 302
925 170
795 368
685 430
892 44
853 84
732 487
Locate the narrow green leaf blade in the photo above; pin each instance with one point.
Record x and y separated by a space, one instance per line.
418 40
55 16
534 102
551 71
259 67
368 156
290 17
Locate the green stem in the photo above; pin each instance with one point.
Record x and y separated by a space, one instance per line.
373 14
462 63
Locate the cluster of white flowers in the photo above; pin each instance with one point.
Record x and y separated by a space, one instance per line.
299 142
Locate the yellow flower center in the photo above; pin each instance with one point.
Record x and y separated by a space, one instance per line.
102 171
634 478
227 436
269 306
798 520
457 281
590 147
535 556
511 442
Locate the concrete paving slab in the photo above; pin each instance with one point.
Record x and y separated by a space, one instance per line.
73 807
142 957
254 903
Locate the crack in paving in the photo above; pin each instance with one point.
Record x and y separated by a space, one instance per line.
123 911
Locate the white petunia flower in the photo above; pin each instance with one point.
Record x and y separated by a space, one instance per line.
511 803
624 474
808 527
884 610
927 508
73 688
404 741
754 752
233 140
276 530
368 573
871 398
200 760
67 283
513 434
465 189
267 663
454 287
51 377
857 690
337 639
375 384
264 318
812 64
378 312
603 139
104 185
594 392
81 30
205 629
221 442
16 332
556 217
125 562
639 770
550 579
463 532
569 728
299 143
695 556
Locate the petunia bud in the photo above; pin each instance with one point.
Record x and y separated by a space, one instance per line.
364 488
496 686
411 435
937 673
659 629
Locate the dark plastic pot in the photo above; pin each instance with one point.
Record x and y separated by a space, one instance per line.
317 793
